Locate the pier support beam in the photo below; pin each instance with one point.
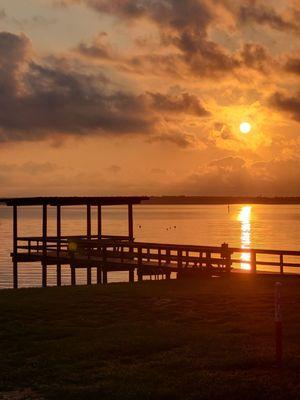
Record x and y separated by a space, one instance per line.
130 221
140 275
89 275
104 272
99 222
131 275
58 234
44 262
15 247
99 276
89 236
73 275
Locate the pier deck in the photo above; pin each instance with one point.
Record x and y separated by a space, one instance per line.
107 253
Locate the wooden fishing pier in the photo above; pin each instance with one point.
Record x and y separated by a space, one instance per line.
107 253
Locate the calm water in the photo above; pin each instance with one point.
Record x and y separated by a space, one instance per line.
257 226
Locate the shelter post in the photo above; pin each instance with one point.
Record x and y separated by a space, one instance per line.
89 236
44 239
15 246
58 233
130 221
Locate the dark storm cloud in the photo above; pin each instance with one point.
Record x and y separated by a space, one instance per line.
287 104
39 100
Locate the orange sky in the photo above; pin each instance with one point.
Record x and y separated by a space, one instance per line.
147 96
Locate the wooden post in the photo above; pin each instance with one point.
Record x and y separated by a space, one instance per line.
104 270
99 275
99 222
104 276
89 275
44 262
226 256
253 262
130 221
15 247
131 275
278 325
58 234
73 275
88 234
88 222
140 262
281 264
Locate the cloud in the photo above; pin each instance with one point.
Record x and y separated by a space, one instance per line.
38 100
2 14
293 65
233 176
266 15
99 49
289 104
184 103
255 56
182 25
177 138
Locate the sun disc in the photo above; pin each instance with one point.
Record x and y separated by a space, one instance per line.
245 127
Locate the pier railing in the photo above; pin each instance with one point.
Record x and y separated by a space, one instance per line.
178 257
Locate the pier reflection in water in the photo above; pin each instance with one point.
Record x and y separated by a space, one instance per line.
245 220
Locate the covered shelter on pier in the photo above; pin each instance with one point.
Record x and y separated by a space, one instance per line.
40 251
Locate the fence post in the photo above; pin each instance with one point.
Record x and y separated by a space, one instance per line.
278 325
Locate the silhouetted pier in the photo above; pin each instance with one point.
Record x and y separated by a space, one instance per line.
107 253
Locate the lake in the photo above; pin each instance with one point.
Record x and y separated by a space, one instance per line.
255 226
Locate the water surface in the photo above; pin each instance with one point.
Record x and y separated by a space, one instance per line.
246 226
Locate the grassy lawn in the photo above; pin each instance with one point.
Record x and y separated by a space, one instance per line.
194 339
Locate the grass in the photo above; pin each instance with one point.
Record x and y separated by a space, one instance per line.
193 339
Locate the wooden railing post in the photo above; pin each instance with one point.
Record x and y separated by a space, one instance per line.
140 262
281 264
226 255
253 262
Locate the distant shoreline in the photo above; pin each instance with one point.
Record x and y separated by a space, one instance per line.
218 200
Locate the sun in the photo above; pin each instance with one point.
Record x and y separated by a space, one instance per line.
245 127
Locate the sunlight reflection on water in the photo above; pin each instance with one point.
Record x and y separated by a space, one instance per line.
245 220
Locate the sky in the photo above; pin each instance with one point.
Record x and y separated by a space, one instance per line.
146 97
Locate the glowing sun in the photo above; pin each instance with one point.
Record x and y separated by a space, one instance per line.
245 127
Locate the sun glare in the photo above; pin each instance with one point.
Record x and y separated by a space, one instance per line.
245 127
